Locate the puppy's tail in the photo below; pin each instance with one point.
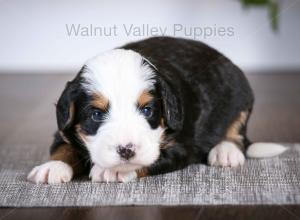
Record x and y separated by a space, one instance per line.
262 150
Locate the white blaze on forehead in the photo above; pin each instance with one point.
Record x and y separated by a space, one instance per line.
119 75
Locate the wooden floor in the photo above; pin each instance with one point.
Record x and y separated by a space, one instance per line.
27 116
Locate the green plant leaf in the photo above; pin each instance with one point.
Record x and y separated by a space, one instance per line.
255 2
274 13
272 7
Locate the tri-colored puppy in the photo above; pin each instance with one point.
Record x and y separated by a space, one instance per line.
148 108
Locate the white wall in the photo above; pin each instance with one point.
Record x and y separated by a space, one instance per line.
33 35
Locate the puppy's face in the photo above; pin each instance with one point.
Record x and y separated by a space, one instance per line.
117 111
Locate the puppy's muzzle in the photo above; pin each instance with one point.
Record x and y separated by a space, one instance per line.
126 152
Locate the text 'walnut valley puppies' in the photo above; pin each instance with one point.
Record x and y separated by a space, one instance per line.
148 108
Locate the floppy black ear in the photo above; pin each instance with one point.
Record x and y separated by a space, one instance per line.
171 104
65 108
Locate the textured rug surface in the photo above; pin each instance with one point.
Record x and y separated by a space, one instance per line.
267 181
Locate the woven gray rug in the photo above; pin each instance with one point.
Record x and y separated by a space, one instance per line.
268 181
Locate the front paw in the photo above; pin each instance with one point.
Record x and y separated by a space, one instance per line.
99 174
51 172
226 154
125 177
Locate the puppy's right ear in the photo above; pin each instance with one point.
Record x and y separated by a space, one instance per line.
65 108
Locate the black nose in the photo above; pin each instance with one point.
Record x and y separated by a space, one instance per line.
127 151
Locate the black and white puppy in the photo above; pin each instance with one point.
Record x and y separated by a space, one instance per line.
148 108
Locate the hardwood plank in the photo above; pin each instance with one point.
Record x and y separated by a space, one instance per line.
257 212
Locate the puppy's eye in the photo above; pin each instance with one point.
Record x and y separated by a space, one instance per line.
97 116
147 111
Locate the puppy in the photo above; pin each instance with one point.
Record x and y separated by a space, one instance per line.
148 108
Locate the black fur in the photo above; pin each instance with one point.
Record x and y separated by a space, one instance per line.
203 92
199 94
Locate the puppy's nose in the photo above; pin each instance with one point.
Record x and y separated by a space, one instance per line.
127 151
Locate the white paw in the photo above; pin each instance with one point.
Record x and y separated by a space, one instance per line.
125 177
226 154
99 174
51 172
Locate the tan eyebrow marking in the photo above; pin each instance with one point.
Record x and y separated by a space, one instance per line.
99 101
145 98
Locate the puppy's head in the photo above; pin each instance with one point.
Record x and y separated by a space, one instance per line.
118 108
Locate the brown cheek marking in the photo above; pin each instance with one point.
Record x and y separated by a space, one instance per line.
162 122
80 133
144 98
162 137
166 142
233 132
142 172
69 155
99 101
64 137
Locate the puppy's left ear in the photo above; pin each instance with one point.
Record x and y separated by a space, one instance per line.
169 92
171 103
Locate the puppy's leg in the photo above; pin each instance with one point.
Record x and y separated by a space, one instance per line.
64 163
173 157
230 151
